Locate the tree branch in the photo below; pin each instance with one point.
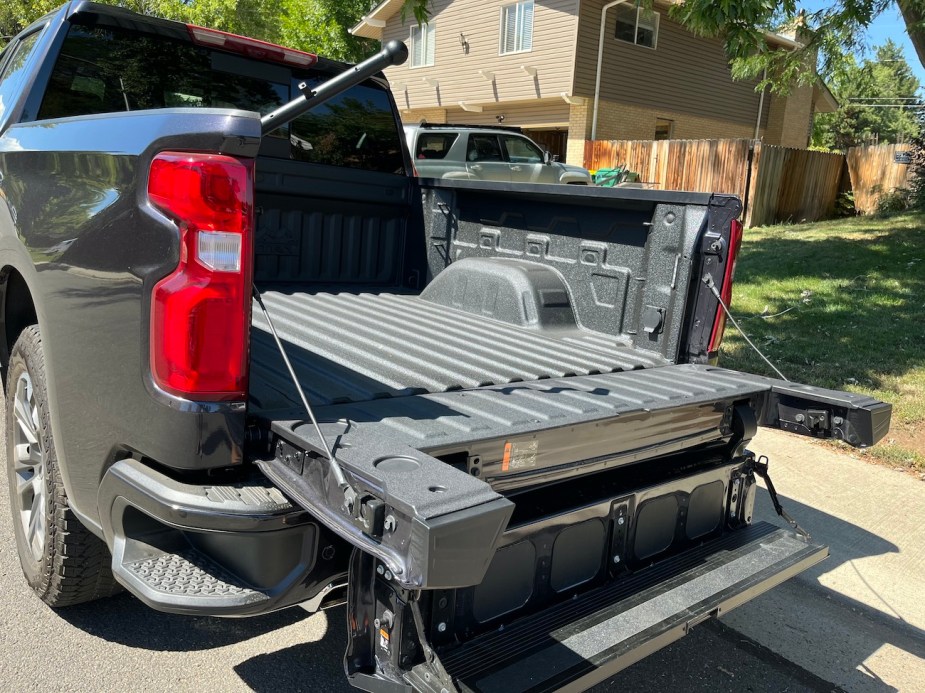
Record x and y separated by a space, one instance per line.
913 15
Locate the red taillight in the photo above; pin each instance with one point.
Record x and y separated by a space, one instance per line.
252 48
719 323
200 314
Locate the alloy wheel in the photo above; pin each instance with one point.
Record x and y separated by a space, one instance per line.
29 466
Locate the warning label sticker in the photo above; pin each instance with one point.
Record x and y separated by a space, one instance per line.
518 456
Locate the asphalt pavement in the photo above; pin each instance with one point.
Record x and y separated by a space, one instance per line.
856 622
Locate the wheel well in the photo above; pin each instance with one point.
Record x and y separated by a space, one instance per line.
17 312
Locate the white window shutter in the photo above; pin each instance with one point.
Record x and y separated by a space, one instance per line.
431 42
416 56
508 28
526 37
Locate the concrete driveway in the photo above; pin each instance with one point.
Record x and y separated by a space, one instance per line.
856 622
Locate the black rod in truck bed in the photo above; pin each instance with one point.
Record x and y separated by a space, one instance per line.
393 53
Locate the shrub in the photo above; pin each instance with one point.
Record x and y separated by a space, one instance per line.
897 201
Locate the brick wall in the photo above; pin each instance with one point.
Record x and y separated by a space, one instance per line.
619 121
579 130
431 115
790 118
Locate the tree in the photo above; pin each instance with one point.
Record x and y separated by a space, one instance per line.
318 26
864 90
322 26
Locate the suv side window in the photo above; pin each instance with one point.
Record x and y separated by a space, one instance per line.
522 151
14 70
484 148
433 145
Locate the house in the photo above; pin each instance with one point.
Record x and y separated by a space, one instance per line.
538 64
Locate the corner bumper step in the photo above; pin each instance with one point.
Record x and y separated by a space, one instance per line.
577 644
189 578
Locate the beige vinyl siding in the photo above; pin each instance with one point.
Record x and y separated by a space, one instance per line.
545 113
554 29
685 73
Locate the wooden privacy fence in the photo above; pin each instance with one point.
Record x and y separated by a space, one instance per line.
776 183
875 173
793 185
692 165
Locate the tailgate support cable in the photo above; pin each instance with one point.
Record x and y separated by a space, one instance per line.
708 280
761 469
350 494
433 661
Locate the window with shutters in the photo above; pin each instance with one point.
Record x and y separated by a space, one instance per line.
423 43
637 25
517 27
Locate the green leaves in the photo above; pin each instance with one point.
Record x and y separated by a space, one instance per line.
863 89
318 26
828 35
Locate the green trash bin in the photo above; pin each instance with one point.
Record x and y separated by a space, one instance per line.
611 177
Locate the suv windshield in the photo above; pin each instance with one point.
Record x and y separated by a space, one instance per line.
105 70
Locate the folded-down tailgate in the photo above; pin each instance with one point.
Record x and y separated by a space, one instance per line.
583 641
435 463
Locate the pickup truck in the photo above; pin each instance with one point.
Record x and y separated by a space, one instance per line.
252 362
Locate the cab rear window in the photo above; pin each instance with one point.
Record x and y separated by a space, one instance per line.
109 70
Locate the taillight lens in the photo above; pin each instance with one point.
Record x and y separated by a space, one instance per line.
200 316
719 323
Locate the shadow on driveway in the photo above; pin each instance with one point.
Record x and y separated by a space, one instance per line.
128 621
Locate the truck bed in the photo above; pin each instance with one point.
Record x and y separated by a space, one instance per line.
355 347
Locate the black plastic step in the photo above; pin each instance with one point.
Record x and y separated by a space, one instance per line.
188 573
579 643
209 549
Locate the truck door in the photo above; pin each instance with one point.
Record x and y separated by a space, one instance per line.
485 159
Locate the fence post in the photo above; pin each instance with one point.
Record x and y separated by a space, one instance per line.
751 185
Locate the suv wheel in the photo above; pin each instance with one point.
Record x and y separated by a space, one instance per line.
63 562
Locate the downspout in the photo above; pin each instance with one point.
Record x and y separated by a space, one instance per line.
600 61
761 104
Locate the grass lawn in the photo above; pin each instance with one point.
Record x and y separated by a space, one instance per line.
840 304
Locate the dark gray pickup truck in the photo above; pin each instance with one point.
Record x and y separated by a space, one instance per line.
251 362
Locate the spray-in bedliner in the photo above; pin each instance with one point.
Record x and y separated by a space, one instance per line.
357 347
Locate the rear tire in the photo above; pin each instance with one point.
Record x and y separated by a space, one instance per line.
63 562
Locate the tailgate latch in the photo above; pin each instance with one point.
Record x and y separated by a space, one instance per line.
805 421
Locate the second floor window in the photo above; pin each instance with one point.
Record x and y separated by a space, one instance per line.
423 43
637 25
517 27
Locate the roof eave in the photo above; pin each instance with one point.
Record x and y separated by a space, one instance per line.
372 23
823 99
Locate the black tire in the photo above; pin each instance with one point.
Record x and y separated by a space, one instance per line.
62 561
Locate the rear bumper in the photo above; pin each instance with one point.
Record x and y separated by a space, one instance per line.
221 550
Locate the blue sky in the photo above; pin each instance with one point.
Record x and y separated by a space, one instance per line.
889 25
